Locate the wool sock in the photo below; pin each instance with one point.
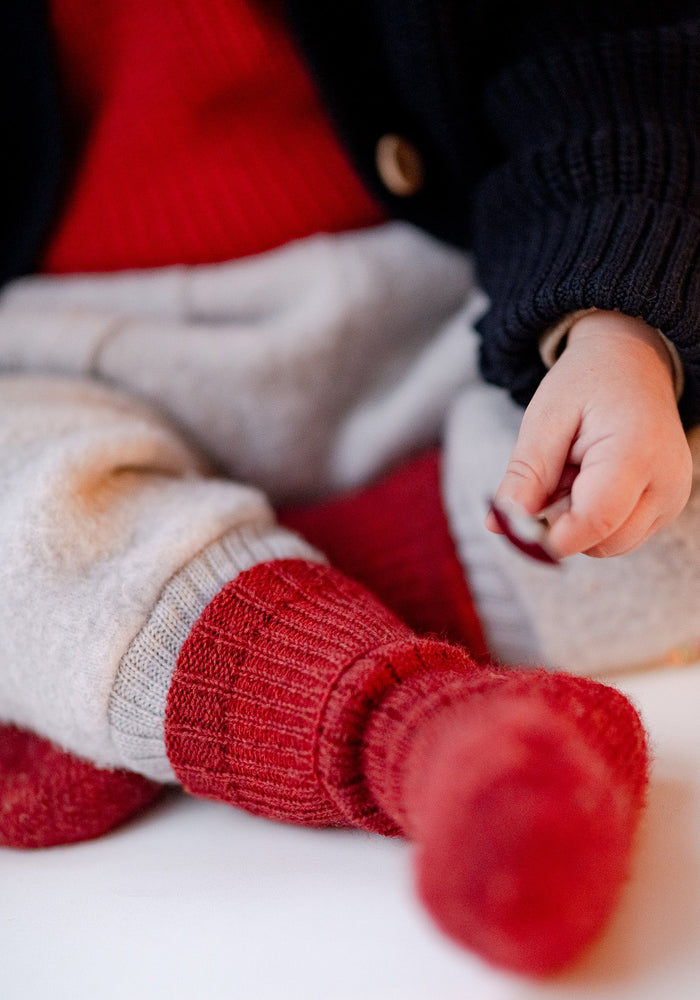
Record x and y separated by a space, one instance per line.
522 792
393 537
49 797
299 697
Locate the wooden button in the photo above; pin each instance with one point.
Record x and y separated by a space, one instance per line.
399 165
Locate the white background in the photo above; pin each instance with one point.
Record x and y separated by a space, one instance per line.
197 901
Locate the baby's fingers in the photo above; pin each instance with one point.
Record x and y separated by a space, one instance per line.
606 516
614 508
640 525
644 521
538 470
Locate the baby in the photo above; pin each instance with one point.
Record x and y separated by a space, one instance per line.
233 295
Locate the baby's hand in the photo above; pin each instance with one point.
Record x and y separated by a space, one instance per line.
607 409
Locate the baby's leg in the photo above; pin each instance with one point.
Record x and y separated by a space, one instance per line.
107 519
102 506
159 620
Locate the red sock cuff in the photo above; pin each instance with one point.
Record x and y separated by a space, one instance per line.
425 674
245 707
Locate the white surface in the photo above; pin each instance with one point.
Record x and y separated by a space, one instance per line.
197 901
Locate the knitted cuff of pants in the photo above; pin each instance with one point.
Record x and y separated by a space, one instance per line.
297 696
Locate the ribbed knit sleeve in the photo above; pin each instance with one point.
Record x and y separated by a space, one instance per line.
596 202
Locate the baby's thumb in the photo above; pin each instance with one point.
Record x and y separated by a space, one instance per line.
522 488
534 478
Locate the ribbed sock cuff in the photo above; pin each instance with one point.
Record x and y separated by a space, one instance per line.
138 699
246 718
418 678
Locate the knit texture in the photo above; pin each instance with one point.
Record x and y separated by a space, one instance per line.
523 791
102 505
200 137
138 697
49 797
394 538
246 701
297 696
409 563
593 208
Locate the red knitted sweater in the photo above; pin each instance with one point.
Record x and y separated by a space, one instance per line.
198 136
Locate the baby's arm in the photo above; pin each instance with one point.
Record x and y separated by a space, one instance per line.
607 408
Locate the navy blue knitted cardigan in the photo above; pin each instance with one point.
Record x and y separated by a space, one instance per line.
560 140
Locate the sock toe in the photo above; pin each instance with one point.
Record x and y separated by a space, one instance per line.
50 797
522 858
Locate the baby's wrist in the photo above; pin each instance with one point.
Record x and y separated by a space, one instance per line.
610 323
591 325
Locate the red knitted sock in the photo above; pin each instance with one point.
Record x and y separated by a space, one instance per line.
48 796
393 537
299 697
523 791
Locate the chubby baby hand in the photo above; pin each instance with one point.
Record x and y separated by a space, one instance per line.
603 423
